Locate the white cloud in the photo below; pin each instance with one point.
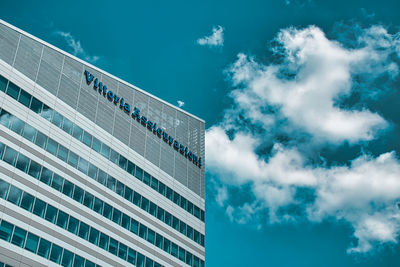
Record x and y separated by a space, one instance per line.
180 103
77 49
215 39
301 98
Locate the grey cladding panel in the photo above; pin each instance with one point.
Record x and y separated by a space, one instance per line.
137 138
153 148
126 92
28 57
73 70
87 104
122 126
48 77
8 43
167 158
68 91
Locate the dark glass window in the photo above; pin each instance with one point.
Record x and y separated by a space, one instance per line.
149 262
102 177
146 178
154 183
136 198
78 132
107 211
160 214
52 146
182 227
25 98
14 196
29 132
62 219
116 217
113 248
31 243
98 205
183 203
36 105
46 175
196 236
150 236
103 242
120 189
96 144
169 193
68 188
83 165
10 156
39 208
51 213
17 126
176 198
132 256
139 173
67 126
13 90
79 261
153 209
122 251
140 260
196 212
93 236
122 162
131 168
55 255
92 171
111 182
142 231
34 169
168 218
134 226
175 223
189 232
190 207
114 157
3 83
202 240
125 221
27 201
67 258
73 225
44 248
196 262
88 200
18 237
145 204
128 193
78 194
174 249
159 241
57 119
167 245
5 118
202 215
47 113
87 139
161 188
6 230
83 230
57 182
3 189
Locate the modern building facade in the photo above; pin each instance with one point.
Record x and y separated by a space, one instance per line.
93 170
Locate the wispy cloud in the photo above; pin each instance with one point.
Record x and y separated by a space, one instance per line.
284 115
180 103
213 40
76 47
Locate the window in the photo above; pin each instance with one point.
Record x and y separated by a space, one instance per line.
150 236
93 236
46 176
41 140
146 178
111 182
102 177
57 119
79 261
14 196
62 219
31 243
132 256
168 218
196 212
39 208
52 146
51 213
145 204
44 248
159 240
36 105
3 189
68 188
136 198
134 226
98 205
140 260
57 182
196 262
17 126
181 254
190 207
6 230
3 83
107 211
202 215
83 165
96 144
5 118
175 223
125 221
47 113
67 258
120 189
78 194
167 245
55 255
149 262
168 193
24 98
176 198
189 232
87 139
29 133
196 236
12 90
116 217
174 249
139 173
143 231
103 242
128 193
182 227
122 162
188 258
73 225
10 155
115 157
83 230
27 201
153 209
92 171
160 214
105 150
18 237
34 169
154 183
62 153
161 188
88 200
122 251
78 132
183 203
67 126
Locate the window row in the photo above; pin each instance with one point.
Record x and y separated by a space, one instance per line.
73 191
53 215
42 247
91 141
58 150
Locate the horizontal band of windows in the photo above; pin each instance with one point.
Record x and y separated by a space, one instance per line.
74 130
56 216
40 246
43 141
32 168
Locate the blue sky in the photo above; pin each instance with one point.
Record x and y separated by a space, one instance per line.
300 99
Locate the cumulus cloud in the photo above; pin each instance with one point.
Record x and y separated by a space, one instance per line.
180 103
215 39
283 113
77 49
